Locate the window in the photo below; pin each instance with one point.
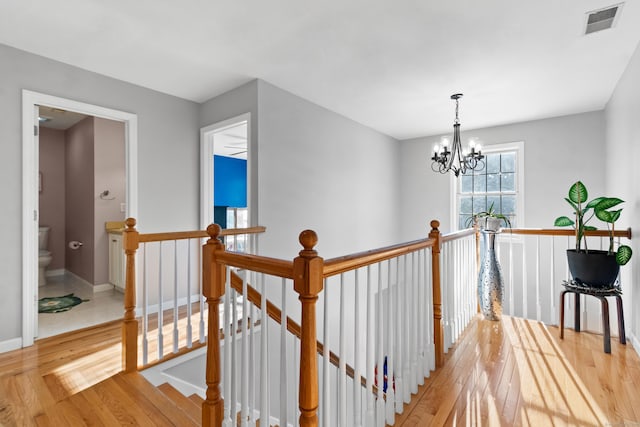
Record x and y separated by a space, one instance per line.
498 184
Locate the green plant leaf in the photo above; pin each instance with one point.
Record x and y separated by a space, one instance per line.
623 255
604 216
563 221
595 202
578 193
606 203
590 228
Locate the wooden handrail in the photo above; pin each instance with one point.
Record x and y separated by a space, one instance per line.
345 263
198 234
457 235
259 264
567 232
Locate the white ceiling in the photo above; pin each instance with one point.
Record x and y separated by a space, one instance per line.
390 65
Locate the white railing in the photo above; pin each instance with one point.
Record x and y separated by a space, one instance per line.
534 264
165 271
459 283
379 321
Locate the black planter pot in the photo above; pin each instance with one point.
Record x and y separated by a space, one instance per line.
594 268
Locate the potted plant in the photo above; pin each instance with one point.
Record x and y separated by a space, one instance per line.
593 267
488 220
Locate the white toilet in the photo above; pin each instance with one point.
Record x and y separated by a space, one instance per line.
44 256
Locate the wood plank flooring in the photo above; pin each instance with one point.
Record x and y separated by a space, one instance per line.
520 373
73 380
513 372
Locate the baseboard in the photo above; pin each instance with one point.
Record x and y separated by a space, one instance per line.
634 341
103 287
53 273
80 280
9 345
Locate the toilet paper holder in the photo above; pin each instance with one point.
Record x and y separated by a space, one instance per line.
75 245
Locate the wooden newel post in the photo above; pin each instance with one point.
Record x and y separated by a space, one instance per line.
307 281
131 242
213 278
438 328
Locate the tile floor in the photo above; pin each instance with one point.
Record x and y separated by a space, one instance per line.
101 307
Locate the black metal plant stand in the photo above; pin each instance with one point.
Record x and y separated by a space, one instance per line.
602 294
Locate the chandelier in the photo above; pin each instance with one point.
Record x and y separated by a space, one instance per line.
456 159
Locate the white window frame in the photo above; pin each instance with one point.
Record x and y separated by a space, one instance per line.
518 147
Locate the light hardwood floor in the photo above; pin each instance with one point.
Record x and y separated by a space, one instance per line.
520 373
513 372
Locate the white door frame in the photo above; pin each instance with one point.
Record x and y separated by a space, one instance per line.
206 166
30 208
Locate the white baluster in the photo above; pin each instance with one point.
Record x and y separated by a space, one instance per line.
421 320
406 363
370 417
357 376
283 357
264 355
538 303
233 396
227 328
511 297
389 403
342 374
399 319
525 287
189 309
203 306
380 353
160 297
244 377
252 352
414 338
552 281
145 307
176 336
326 383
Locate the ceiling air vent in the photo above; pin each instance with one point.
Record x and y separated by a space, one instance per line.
602 19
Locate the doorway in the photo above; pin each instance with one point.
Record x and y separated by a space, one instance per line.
225 177
32 182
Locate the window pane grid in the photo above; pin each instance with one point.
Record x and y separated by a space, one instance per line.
495 184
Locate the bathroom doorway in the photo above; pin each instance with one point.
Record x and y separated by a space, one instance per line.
71 276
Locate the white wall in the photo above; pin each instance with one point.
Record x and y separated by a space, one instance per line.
623 176
557 152
168 155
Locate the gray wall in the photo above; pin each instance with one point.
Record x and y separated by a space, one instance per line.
241 100
168 156
79 202
322 171
52 196
557 152
109 174
623 176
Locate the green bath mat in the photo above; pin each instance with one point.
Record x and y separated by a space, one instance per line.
58 304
